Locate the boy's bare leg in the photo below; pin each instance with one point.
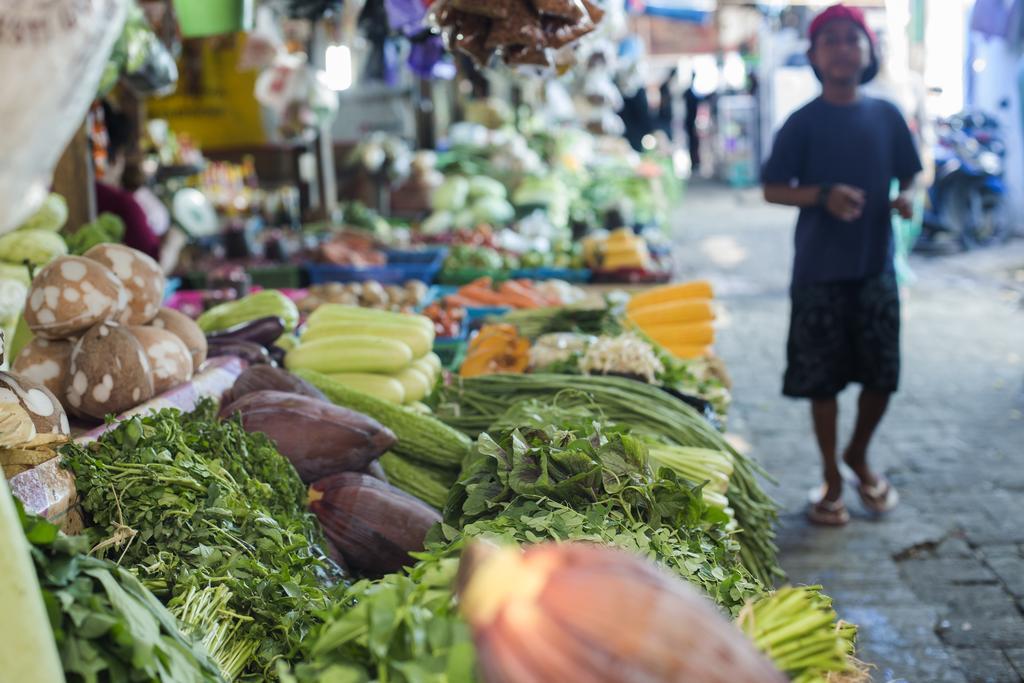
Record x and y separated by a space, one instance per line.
825 413
871 407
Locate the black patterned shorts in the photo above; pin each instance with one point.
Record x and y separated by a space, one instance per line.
843 332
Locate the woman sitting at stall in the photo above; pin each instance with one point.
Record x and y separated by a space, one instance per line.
121 190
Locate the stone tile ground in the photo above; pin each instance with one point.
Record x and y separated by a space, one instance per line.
938 588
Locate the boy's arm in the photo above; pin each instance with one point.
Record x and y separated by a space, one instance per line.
845 202
904 204
803 197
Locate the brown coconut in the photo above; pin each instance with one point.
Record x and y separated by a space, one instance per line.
72 294
109 372
46 362
186 329
141 276
168 357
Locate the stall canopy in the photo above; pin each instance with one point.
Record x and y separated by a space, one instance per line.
694 11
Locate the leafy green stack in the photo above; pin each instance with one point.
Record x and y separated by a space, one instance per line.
550 474
472 405
108 626
188 502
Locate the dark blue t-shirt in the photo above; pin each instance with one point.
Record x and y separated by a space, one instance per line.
866 144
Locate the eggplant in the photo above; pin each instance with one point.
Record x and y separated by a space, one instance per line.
373 525
317 437
277 354
376 470
263 331
253 353
267 378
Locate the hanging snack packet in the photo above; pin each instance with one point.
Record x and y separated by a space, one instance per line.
492 9
570 10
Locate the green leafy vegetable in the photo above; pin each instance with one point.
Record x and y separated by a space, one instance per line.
189 502
107 227
107 625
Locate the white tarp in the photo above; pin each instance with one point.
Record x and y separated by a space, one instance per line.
51 56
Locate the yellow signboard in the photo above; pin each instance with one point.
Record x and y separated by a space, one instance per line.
214 103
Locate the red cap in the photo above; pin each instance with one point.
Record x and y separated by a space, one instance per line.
841 11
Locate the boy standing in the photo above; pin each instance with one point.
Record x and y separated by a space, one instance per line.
835 159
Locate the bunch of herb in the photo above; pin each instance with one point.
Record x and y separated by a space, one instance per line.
401 628
189 502
473 404
575 461
592 471
107 625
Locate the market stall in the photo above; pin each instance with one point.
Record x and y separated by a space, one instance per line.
410 443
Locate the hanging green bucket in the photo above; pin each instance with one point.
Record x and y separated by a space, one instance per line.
199 18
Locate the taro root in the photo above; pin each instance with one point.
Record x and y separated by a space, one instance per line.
72 294
168 357
266 378
372 524
32 424
46 362
317 437
109 372
593 614
186 329
141 276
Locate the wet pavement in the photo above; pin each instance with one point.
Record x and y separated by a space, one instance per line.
938 586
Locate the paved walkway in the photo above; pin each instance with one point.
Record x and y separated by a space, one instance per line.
938 588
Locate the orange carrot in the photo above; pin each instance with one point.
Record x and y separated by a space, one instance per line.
482 294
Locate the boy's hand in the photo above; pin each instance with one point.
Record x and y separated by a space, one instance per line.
845 202
903 206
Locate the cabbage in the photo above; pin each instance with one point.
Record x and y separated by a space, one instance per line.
437 223
38 247
464 219
12 300
451 195
493 210
481 186
51 216
15 271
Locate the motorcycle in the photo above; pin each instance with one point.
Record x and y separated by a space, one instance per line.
967 201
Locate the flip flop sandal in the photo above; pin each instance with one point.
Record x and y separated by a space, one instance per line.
880 498
826 512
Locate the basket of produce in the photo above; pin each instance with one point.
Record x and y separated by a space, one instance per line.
283 276
369 294
577 275
397 267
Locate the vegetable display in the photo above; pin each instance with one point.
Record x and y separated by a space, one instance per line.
321 524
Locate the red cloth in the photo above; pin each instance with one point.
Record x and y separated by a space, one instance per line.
138 234
841 11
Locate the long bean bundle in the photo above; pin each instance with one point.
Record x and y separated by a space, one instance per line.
473 404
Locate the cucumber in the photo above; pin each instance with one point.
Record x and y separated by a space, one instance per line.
383 387
417 339
427 368
415 384
328 313
435 362
356 353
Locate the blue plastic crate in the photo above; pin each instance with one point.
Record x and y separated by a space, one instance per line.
568 274
403 265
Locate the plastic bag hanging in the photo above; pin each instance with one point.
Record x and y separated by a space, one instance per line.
66 52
